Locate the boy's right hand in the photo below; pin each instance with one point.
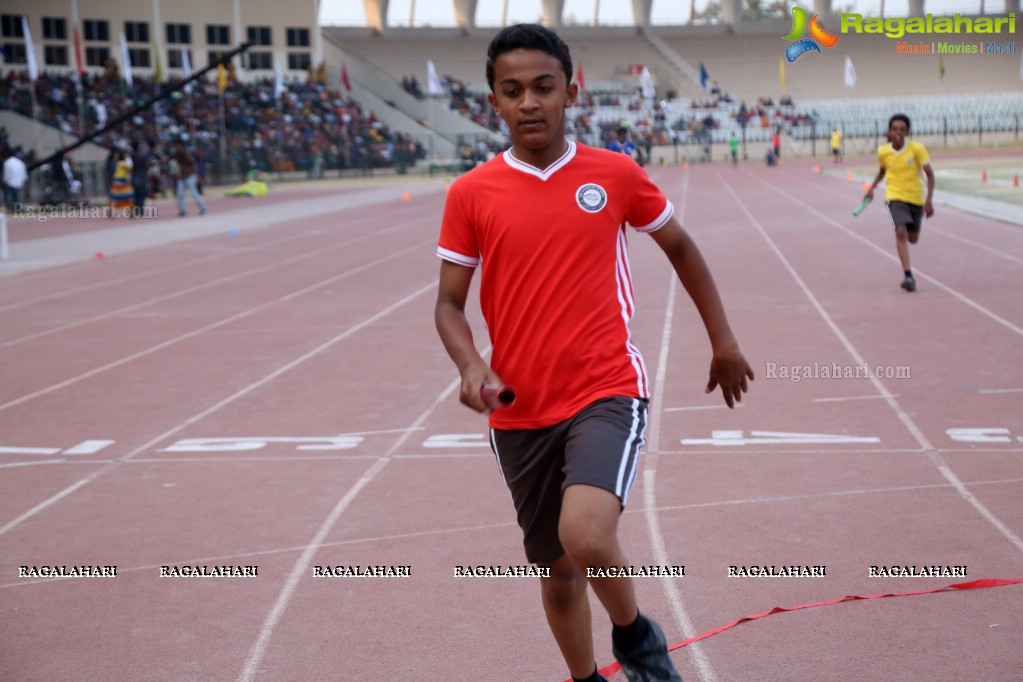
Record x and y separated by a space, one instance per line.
472 379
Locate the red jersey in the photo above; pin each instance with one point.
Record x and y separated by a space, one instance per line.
555 288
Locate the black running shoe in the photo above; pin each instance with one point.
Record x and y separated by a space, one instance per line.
649 661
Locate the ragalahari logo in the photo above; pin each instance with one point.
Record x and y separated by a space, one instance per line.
818 36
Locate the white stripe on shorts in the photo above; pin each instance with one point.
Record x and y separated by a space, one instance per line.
630 464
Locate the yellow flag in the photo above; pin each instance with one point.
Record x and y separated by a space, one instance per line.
781 72
221 78
158 72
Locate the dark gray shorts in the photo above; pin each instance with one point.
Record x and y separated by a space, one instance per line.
903 213
599 446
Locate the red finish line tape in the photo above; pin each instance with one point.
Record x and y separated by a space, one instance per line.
973 585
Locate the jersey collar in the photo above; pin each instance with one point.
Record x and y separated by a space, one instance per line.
546 173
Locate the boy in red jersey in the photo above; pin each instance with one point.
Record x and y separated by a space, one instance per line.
546 222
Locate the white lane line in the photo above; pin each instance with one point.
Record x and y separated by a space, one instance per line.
657 544
124 279
192 289
201 330
12 450
977 245
838 493
936 459
49 502
226 401
11 465
301 566
700 407
1000 390
851 397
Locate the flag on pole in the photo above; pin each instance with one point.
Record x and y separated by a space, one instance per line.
278 79
158 69
126 61
78 53
579 78
344 78
781 73
941 66
647 84
704 77
186 66
850 73
433 86
221 78
30 50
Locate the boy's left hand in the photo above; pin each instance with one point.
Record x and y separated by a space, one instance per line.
730 371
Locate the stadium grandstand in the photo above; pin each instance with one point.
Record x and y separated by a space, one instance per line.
309 94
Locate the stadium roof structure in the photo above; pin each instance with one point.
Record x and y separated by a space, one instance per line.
553 12
465 11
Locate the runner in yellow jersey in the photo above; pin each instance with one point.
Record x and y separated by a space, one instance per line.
836 145
902 161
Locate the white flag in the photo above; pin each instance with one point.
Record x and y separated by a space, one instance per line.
850 73
647 83
30 50
186 66
432 82
278 79
126 61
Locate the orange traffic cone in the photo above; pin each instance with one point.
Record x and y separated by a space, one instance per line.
405 196
685 166
817 168
1015 181
983 176
848 176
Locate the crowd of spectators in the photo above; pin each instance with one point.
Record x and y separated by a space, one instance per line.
311 127
308 127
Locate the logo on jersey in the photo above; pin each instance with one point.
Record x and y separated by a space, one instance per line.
591 198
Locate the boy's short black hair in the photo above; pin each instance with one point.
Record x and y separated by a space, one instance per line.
529 37
899 117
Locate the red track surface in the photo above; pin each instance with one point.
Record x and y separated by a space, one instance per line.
320 326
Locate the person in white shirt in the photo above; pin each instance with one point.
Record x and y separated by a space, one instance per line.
15 177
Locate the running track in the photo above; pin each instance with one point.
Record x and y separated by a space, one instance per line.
305 344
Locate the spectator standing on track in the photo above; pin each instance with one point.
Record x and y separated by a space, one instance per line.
557 296
776 143
15 177
140 177
902 161
187 179
121 194
733 146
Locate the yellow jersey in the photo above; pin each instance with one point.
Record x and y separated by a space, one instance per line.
836 139
902 171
